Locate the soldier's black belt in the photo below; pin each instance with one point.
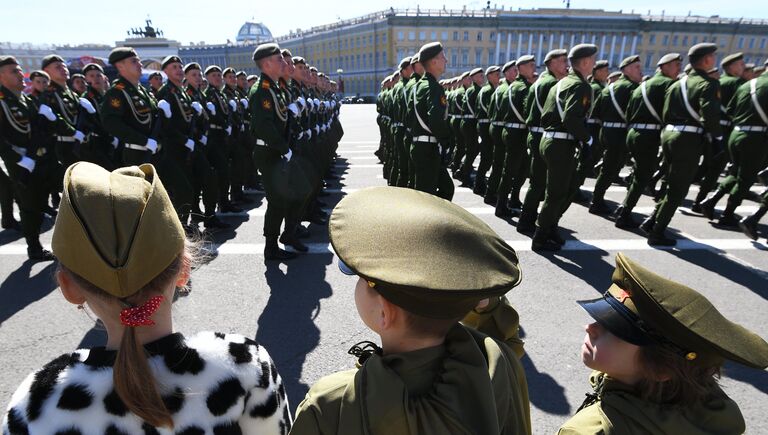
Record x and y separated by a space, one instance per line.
559 135
425 138
751 128
684 128
646 126
614 125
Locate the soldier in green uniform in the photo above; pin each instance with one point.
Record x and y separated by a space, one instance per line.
557 68
657 349
129 110
469 126
381 120
497 117
514 135
432 374
409 114
749 224
65 105
399 172
587 164
431 129
100 147
691 109
643 138
482 109
747 145
611 108
28 158
458 118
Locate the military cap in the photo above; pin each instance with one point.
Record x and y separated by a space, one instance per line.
154 74
727 60
121 53
415 58
252 77
8 60
491 69
700 50
749 66
118 230
298 59
405 63
554 53
323 74
600 64
759 70
713 70
508 65
614 74
286 53
265 50
91 67
688 68
475 71
312 69
190 66
644 308
629 61
51 58
76 76
169 60
228 70
582 50
211 69
464 75
430 50
425 254
526 58
669 57
38 73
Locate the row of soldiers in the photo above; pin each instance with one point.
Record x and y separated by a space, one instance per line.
210 133
557 128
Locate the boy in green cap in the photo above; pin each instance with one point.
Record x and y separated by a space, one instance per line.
432 374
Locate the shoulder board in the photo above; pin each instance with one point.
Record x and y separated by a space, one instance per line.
264 85
2 95
120 86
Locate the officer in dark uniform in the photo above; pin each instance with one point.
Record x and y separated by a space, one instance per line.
65 105
155 82
100 147
238 141
458 118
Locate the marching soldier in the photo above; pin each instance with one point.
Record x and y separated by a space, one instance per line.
482 110
691 109
28 158
469 126
100 148
399 172
78 84
40 82
497 117
565 129
644 111
748 225
462 85
586 166
238 141
557 68
64 106
611 109
409 114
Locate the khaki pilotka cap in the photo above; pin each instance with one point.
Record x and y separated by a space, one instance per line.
644 308
421 252
118 230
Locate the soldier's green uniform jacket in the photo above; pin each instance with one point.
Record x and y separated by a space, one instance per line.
484 101
655 88
704 98
469 103
231 94
597 89
222 119
575 100
458 101
606 109
617 410
65 104
269 114
179 127
495 103
537 95
728 86
399 101
515 94
16 118
742 108
96 100
127 112
409 115
432 107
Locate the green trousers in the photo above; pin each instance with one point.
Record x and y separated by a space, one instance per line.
497 161
516 164
430 174
398 175
538 176
681 152
643 145
471 145
461 149
276 205
559 156
748 152
614 142
204 181
485 147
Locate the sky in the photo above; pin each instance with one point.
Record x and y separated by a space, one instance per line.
196 21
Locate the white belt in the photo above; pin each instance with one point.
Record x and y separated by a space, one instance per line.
558 135
428 139
593 121
497 123
65 138
261 143
19 150
469 117
516 125
751 128
725 122
684 128
536 130
615 124
646 126
133 146
216 127
483 121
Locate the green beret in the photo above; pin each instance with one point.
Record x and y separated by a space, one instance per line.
154 74
265 50
211 69
51 58
8 60
425 254
644 308
228 70
298 60
464 75
600 64
405 63
669 57
581 51
415 58
508 65
614 74
121 53
118 230
555 53
727 60
629 61
688 68
526 58
475 71
169 60
91 67
428 51
286 53
38 73
241 74
700 50
491 69
190 66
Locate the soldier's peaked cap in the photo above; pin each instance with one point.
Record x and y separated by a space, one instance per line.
190 66
169 60
629 61
491 69
526 58
211 69
91 67
475 71
51 58
508 65
405 63
600 64
8 60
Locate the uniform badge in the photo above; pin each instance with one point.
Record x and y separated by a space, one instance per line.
718 94
115 102
264 85
585 101
623 295
443 100
40 152
266 105
119 86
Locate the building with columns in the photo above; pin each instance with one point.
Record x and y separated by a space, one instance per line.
368 48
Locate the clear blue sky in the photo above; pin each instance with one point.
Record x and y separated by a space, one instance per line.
62 22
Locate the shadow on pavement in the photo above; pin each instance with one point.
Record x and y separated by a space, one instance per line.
588 265
740 274
20 289
756 378
543 390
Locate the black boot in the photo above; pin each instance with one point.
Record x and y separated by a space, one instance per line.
749 224
290 239
11 224
213 223
228 207
480 185
555 236
624 219
648 224
701 196
273 252
708 205
35 251
599 207
728 218
542 241
657 238
502 210
527 223
490 199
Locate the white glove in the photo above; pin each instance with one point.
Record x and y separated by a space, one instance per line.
295 110
85 104
322 127
211 108
317 103
79 136
317 129
115 142
311 104
288 155
27 164
228 130
232 104
333 104
589 142
198 107
302 101
47 112
301 135
165 107
244 102
204 140
309 133
152 145
190 144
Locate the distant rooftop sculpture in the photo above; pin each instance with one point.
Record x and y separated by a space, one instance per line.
147 32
